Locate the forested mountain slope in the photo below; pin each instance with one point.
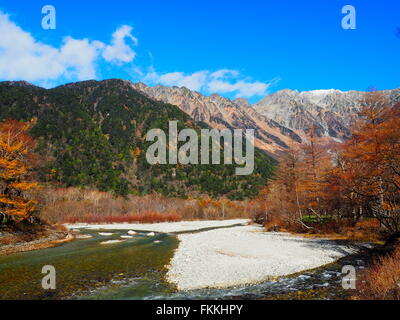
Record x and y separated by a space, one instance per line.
92 134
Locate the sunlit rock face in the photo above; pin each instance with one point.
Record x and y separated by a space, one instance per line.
331 112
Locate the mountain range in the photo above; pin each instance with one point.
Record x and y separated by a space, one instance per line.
280 119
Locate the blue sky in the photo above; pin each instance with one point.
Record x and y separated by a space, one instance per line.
238 48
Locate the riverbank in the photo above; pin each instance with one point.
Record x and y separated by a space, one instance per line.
20 242
247 255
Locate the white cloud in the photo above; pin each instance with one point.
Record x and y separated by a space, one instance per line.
23 57
194 81
223 81
77 57
243 89
223 73
119 52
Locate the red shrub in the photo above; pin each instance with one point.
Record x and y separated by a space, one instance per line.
147 217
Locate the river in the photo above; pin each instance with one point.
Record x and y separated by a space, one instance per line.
135 269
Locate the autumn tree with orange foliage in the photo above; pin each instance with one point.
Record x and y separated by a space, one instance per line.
299 186
316 162
371 160
283 199
16 162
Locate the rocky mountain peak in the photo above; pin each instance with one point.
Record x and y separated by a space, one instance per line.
220 112
330 111
280 119
242 102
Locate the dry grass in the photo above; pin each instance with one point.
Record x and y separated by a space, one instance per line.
366 230
22 232
382 280
11 239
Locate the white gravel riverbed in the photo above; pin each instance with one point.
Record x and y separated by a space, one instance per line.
246 255
165 227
